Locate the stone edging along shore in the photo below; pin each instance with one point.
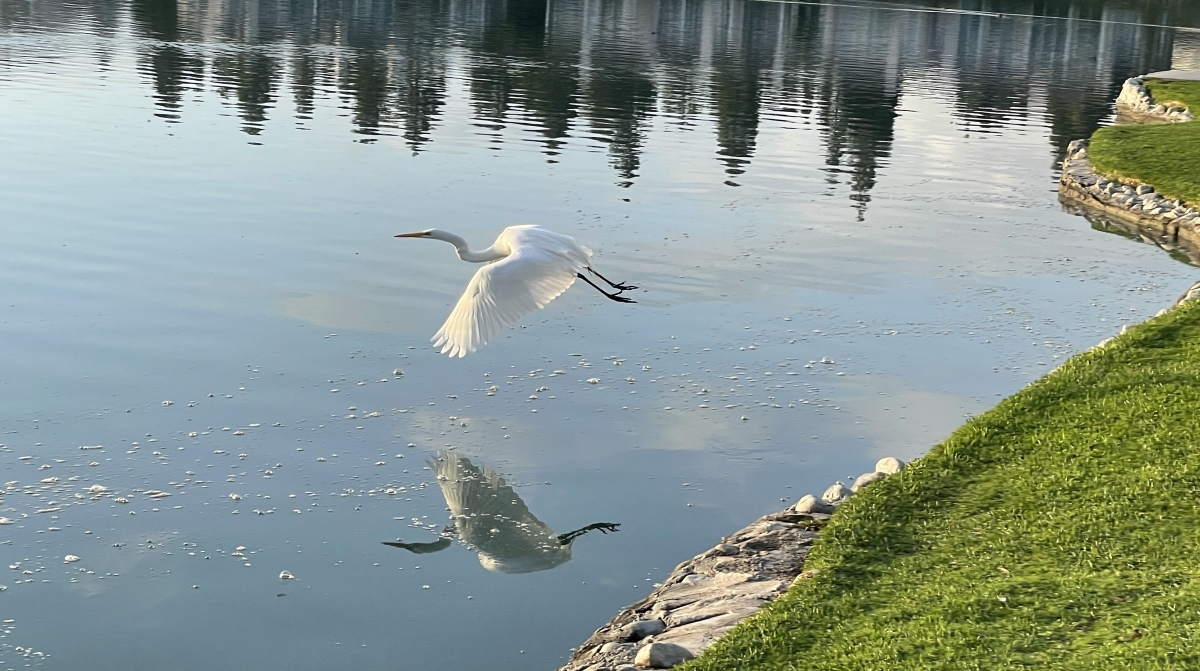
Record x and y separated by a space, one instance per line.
1140 205
1136 100
1164 221
704 597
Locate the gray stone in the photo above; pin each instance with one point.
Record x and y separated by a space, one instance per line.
836 492
636 631
889 465
811 504
662 656
615 648
1144 189
726 549
866 479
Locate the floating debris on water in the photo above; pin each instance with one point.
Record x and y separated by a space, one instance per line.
70 559
286 575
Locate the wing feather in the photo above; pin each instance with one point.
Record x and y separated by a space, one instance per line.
501 293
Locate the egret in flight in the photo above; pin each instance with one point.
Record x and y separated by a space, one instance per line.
490 518
527 267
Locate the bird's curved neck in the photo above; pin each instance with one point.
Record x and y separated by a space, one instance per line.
464 251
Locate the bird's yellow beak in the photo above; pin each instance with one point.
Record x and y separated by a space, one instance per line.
418 234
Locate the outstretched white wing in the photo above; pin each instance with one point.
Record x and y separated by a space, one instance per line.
500 294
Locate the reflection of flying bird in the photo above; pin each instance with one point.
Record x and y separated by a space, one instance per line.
490 517
527 267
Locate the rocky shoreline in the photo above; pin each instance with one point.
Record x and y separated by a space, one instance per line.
707 595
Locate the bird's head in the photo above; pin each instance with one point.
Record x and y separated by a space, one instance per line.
418 234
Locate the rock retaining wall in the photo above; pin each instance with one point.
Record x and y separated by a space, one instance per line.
705 596
1136 99
1166 221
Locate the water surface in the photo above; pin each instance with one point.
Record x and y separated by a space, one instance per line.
842 218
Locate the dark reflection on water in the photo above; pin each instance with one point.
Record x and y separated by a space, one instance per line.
491 519
577 70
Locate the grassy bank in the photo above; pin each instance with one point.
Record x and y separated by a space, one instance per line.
1060 529
1165 156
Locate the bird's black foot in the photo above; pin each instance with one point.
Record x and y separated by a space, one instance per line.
602 527
620 286
616 297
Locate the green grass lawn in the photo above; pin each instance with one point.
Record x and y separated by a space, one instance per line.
1175 92
1059 530
1164 156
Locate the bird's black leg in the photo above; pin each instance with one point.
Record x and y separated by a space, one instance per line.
602 527
616 297
616 285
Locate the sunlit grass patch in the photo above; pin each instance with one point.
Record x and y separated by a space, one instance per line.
1175 92
1166 157
1060 529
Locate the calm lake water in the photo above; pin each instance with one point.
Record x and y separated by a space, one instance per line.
843 219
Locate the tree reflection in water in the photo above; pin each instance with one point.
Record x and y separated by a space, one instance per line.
588 71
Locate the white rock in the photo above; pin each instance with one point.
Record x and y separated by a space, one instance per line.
811 504
636 631
836 492
662 656
70 559
866 479
889 465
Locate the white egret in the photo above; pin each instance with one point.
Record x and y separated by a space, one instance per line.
490 518
526 268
